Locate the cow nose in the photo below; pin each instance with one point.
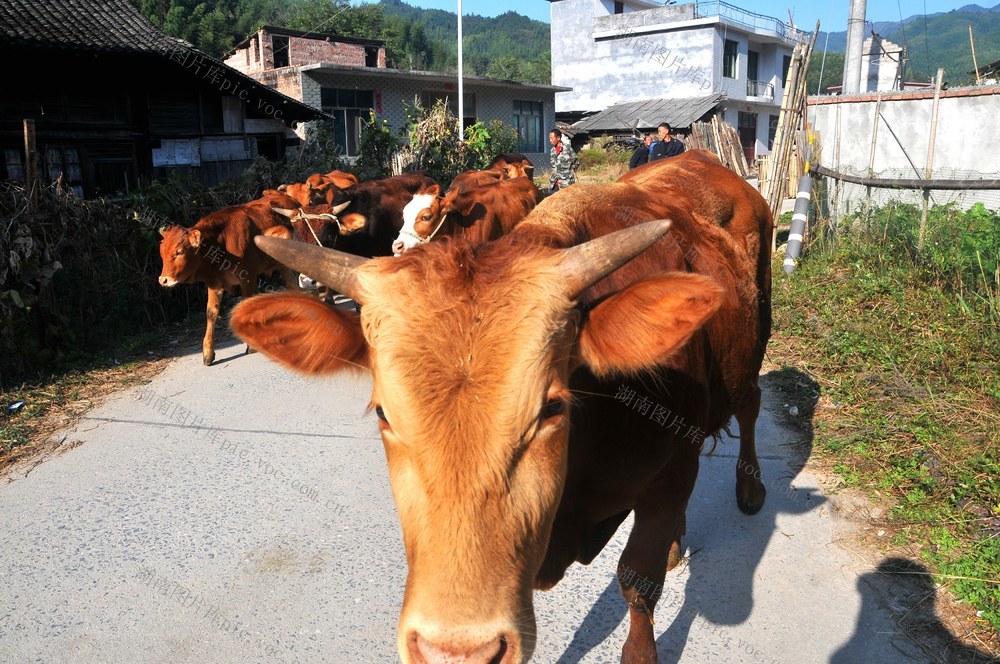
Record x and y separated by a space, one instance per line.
491 652
164 281
398 247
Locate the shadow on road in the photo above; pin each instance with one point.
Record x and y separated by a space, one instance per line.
904 589
719 588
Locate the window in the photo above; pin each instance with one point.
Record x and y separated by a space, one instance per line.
528 122
619 7
65 162
279 46
371 56
349 109
14 165
786 63
772 130
729 58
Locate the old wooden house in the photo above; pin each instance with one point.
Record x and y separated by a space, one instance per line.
116 103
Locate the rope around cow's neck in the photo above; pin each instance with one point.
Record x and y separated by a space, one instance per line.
424 240
326 215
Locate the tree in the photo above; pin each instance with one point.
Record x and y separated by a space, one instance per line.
833 72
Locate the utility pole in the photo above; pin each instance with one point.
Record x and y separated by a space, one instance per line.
461 83
855 46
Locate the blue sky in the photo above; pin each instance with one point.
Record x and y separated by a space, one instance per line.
831 13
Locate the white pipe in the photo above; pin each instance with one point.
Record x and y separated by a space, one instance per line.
855 48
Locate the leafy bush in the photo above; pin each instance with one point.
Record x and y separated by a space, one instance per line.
376 145
76 275
433 144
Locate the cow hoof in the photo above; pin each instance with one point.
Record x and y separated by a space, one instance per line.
752 501
207 359
250 350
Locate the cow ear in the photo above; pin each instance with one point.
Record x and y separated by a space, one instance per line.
645 324
163 232
194 238
434 190
301 333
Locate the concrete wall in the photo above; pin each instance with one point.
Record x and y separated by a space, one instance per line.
606 61
967 145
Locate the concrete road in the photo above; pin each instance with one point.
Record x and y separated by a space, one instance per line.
241 513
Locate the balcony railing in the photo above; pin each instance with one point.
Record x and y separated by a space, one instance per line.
707 8
760 89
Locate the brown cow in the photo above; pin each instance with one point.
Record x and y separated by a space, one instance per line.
219 251
514 164
477 214
372 220
501 385
319 188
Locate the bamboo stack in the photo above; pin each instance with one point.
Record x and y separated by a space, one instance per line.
790 120
723 140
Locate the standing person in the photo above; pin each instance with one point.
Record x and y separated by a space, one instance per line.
667 146
641 154
562 159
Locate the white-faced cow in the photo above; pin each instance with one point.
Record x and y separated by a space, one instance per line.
476 214
495 384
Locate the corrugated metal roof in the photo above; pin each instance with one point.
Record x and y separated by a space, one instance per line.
647 113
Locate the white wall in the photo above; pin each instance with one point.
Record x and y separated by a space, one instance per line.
967 145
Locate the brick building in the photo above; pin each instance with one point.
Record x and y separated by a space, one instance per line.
347 77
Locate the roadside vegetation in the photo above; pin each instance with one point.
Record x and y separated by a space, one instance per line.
905 346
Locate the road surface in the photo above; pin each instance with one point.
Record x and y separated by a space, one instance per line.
241 513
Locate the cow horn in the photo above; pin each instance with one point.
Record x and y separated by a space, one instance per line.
337 209
285 212
586 264
328 266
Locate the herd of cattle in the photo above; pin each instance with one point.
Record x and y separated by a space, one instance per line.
498 361
336 210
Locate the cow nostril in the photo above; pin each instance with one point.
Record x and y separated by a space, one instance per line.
425 652
398 247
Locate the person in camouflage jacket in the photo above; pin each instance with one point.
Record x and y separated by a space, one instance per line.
563 161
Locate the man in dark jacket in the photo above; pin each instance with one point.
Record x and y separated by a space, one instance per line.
641 154
666 146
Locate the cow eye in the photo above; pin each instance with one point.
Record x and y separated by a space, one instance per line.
178 252
552 408
381 414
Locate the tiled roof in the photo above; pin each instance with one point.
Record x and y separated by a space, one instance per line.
113 26
647 113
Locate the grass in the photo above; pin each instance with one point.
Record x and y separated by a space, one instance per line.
910 406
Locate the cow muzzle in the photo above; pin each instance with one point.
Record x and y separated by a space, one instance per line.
166 281
464 647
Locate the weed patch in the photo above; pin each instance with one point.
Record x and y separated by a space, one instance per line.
905 345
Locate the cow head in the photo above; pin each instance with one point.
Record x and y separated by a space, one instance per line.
471 388
423 216
521 169
178 251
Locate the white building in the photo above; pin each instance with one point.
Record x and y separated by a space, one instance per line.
707 56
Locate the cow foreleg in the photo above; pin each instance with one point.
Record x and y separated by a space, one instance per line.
654 548
750 490
248 288
211 316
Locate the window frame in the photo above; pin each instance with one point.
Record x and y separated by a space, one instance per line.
524 118
730 59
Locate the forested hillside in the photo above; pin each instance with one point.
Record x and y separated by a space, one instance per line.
931 41
509 46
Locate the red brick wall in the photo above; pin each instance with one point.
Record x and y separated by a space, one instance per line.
308 51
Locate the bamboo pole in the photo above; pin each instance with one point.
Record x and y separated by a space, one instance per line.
974 64
871 154
30 162
930 158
